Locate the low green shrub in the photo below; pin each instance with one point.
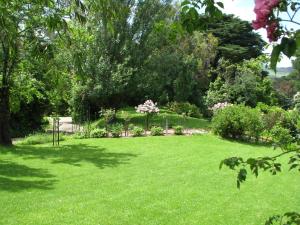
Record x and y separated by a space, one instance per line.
131 126
185 108
178 130
108 115
98 133
116 130
273 116
137 132
39 138
79 135
281 136
157 131
237 121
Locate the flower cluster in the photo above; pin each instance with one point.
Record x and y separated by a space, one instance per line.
297 97
220 105
263 10
297 101
148 107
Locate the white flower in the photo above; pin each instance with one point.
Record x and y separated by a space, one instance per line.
220 105
148 107
297 97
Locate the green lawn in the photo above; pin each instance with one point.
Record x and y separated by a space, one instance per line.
138 181
174 119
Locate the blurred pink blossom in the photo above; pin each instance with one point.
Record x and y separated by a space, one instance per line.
263 10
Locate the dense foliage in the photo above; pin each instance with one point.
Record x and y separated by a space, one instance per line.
87 56
241 83
238 121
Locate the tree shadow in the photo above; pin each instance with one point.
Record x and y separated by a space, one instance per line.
249 142
11 185
73 155
11 169
10 174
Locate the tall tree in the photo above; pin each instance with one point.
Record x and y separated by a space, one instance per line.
22 22
237 41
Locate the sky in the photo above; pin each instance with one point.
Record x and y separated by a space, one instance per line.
244 10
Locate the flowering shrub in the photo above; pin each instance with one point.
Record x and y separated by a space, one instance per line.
220 105
148 108
263 10
297 101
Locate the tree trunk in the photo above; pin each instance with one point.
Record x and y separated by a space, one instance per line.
5 137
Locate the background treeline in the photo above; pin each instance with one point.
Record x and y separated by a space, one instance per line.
125 52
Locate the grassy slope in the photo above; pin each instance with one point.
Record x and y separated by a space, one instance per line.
159 119
146 181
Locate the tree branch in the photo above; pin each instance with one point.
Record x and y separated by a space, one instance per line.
290 21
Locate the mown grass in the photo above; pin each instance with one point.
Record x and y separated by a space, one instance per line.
174 119
146 181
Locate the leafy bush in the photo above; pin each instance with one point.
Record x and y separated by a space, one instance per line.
137 132
237 121
281 136
109 115
79 135
178 130
185 108
131 126
273 115
35 139
253 124
98 133
126 117
116 130
157 131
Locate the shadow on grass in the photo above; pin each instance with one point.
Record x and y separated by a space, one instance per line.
249 142
10 174
72 155
75 155
11 169
11 185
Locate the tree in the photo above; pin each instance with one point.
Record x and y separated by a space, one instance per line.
22 22
237 41
270 15
242 83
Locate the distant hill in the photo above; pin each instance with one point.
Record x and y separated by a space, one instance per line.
281 72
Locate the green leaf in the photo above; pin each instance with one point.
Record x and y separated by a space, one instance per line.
297 38
221 164
275 56
293 166
242 175
220 4
185 2
288 46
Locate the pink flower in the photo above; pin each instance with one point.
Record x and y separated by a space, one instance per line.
263 9
272 31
